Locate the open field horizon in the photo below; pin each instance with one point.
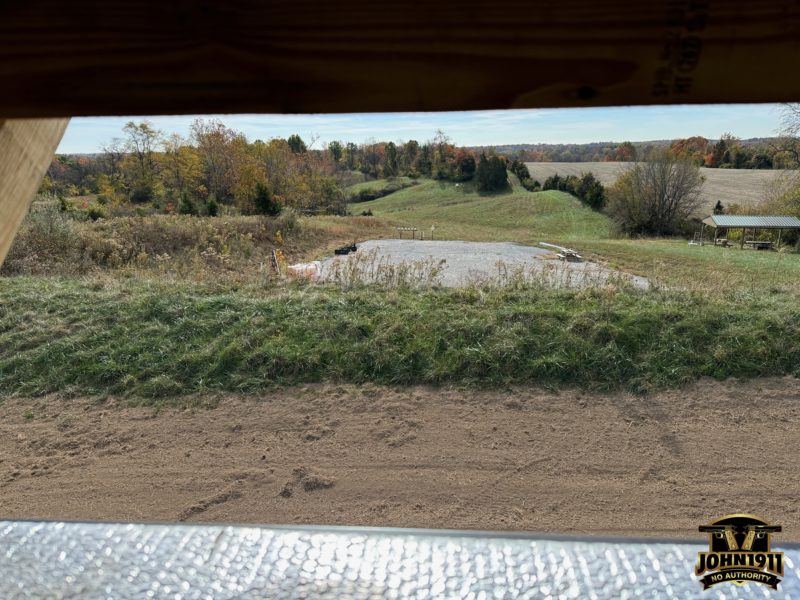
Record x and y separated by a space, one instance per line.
745 187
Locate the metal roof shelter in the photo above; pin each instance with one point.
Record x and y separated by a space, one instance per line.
754 222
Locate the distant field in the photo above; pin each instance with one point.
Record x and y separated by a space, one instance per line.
747 187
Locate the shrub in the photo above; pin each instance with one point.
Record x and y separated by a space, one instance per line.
587 188
465 166
187 207
212 206
554 182
264 202
518 168
96 212
657 196
143 193
491 174
590 191
46 242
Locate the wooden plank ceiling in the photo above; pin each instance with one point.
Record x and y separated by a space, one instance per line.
143 57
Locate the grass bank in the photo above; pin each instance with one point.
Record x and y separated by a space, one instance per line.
457 212
151 340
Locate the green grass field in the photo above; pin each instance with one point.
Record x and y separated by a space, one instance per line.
377 184
721 313
458 212
705 269
147 340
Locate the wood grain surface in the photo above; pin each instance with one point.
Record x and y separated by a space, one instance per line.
26 149
186 56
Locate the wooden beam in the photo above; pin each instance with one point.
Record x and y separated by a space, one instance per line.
26 149
146 57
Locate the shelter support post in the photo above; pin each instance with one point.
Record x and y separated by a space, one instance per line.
27 147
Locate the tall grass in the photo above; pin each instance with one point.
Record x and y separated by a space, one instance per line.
149 340
233 249
365 268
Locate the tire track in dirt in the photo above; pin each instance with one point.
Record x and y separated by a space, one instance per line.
522 459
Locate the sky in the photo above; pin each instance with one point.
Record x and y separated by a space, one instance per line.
471 128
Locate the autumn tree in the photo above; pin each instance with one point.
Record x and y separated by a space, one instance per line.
408 157
214 143
442 156
657 196
693 149
181 165
335 151
351 156
788 146
464 165
625 152
390 160
140 145
112 154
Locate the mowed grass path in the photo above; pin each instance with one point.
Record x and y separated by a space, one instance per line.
708 269
459 213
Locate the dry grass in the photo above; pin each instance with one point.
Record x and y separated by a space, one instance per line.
366 268
177 247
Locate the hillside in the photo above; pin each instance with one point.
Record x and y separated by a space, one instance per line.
459 213
456 211
747 187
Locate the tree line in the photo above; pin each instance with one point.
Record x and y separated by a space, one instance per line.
217 166
727 152
214 166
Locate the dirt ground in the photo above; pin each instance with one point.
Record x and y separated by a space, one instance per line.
527 460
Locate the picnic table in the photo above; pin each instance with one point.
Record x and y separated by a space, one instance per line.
759 244
413 231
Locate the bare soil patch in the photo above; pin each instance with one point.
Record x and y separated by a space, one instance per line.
525 460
